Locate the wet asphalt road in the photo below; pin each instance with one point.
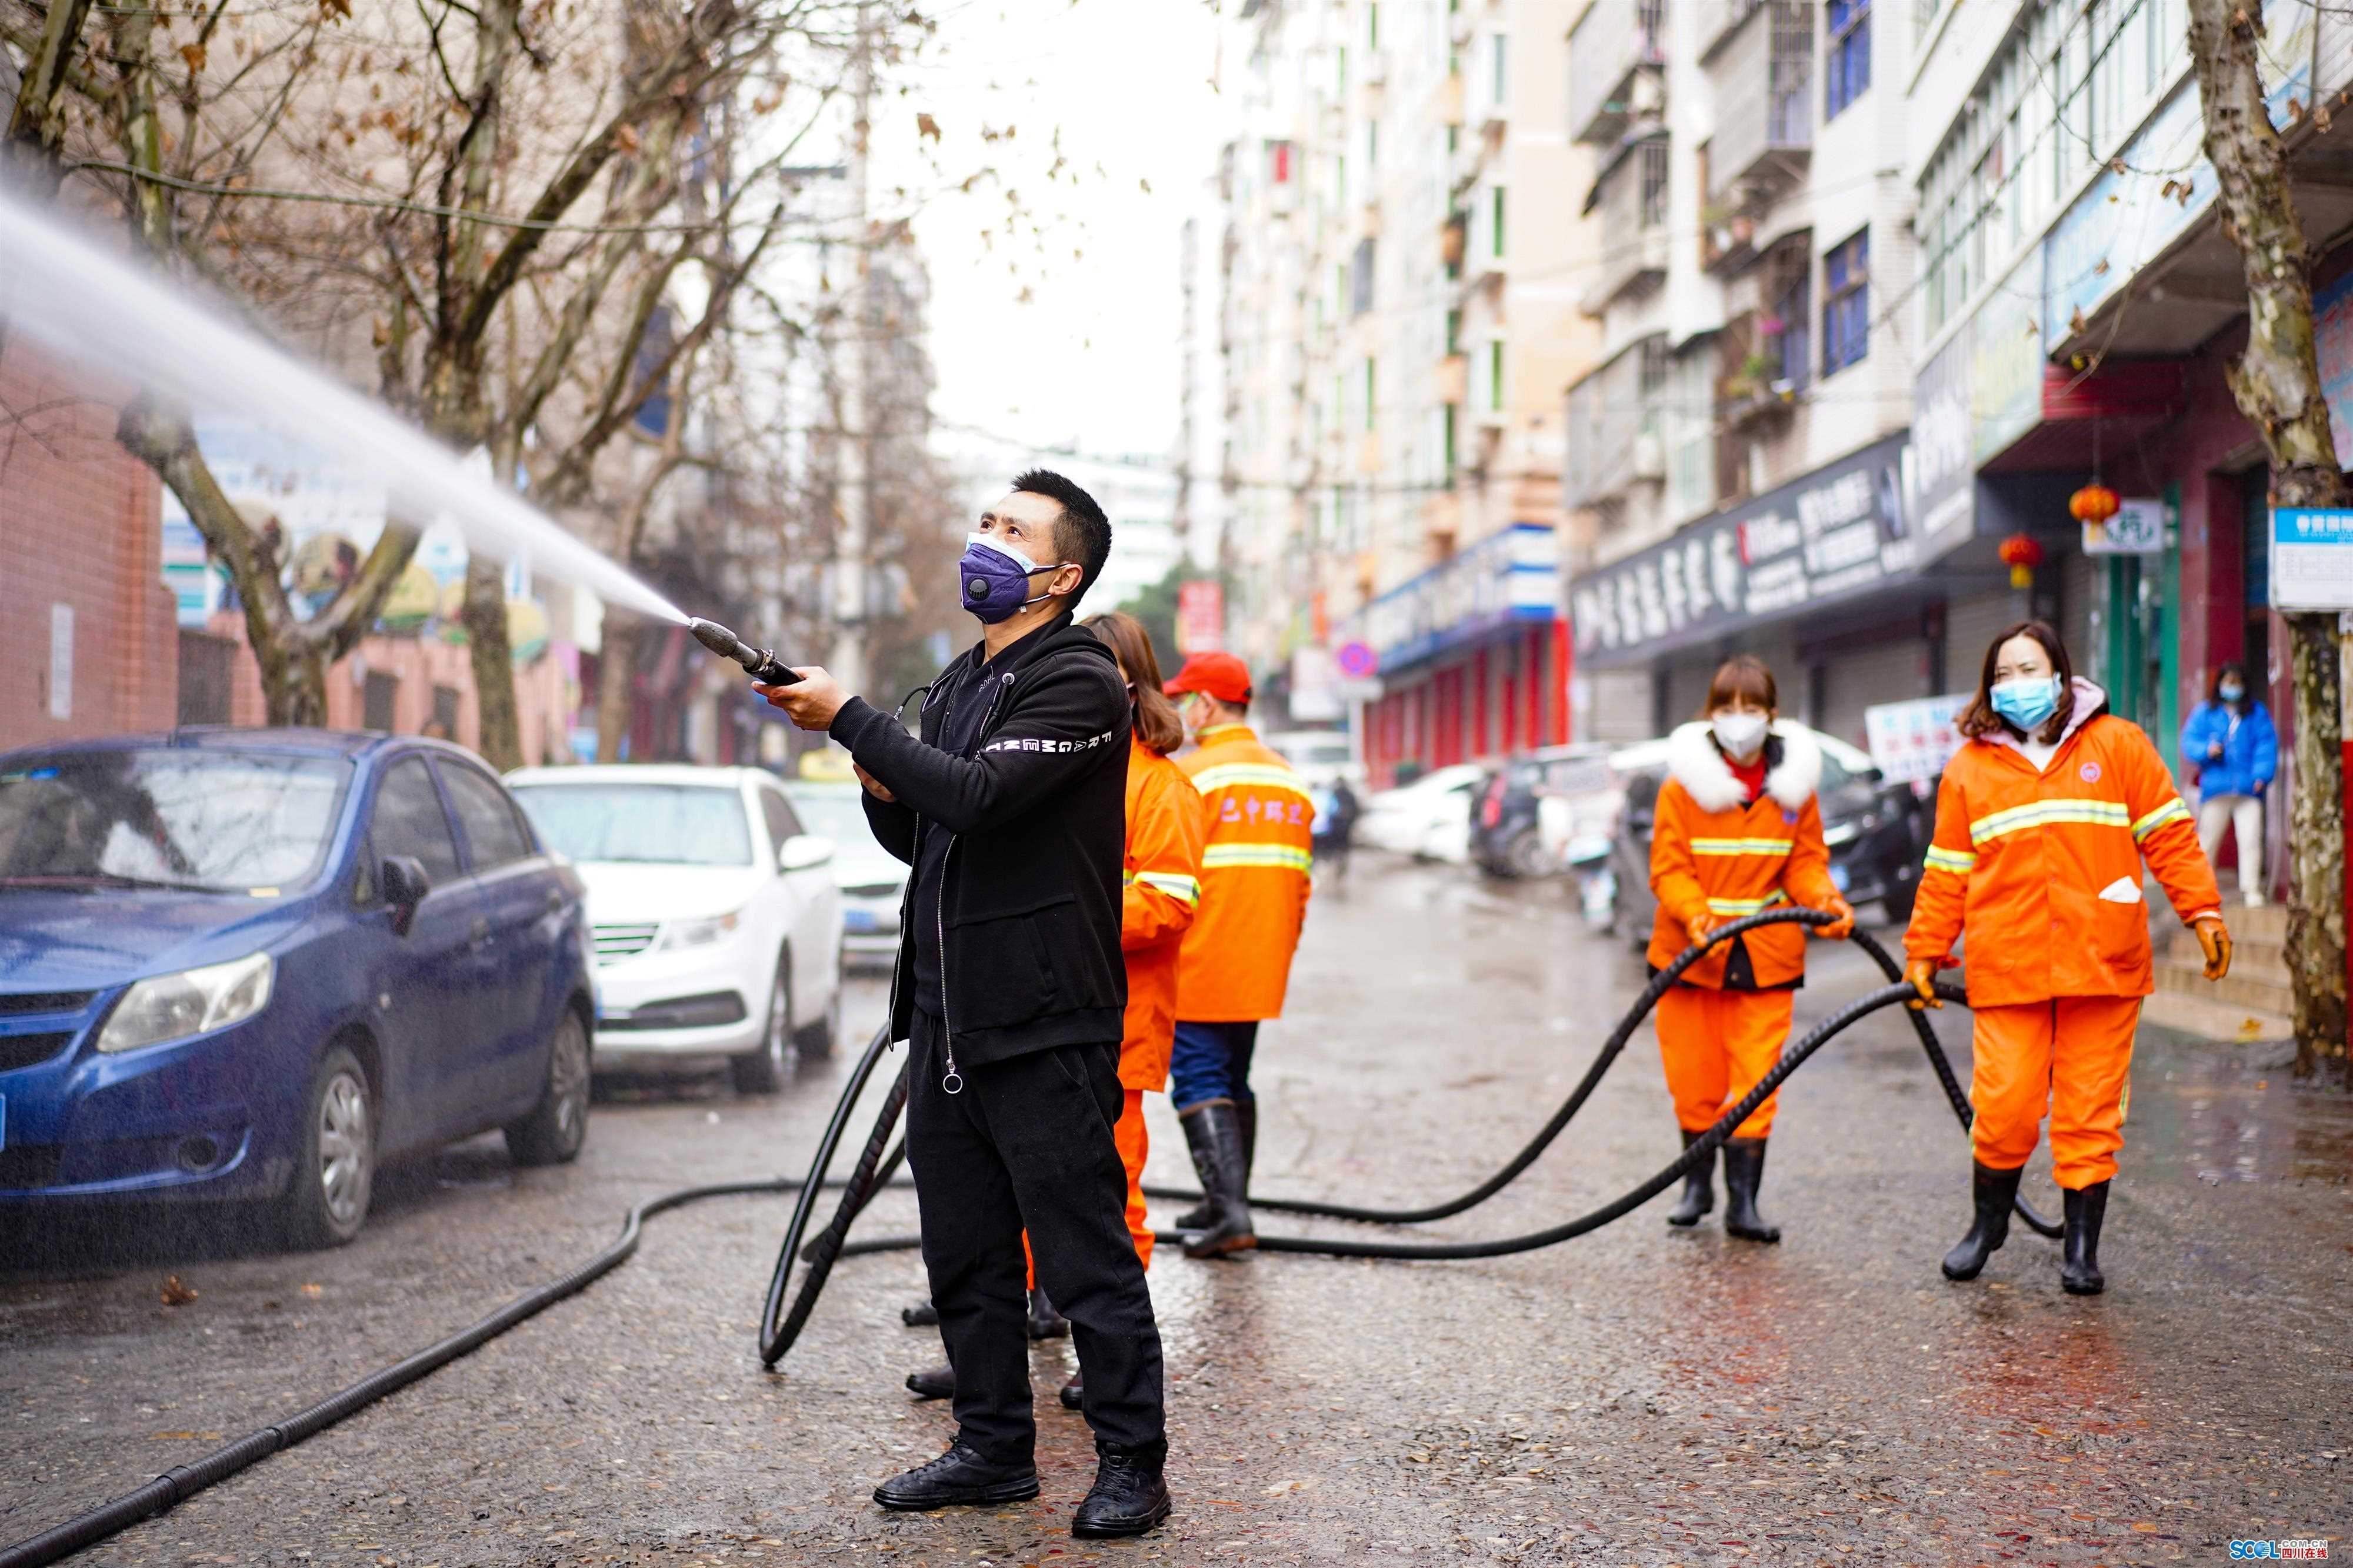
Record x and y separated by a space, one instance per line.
1637 1396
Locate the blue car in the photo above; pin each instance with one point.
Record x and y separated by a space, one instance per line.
252 964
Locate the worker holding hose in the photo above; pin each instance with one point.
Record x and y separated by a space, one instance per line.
1160 889
1010 991
2043 821
1736 830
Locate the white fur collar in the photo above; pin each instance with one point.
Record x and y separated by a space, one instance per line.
1696 764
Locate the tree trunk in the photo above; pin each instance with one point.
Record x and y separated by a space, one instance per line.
2277 385
617 673
501 738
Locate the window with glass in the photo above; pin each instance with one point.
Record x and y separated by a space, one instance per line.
1846 303
1653 207
495 837
667 825
195 818
1496 374
1496 222
1793 310
1846 53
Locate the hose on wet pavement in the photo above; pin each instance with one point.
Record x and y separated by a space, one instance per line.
813 1259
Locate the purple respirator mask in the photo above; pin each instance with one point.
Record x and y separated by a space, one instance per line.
994 578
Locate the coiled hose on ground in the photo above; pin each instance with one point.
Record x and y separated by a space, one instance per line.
878 1160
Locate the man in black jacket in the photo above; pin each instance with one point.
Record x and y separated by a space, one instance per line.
1009 988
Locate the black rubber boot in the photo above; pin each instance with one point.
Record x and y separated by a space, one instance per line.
1994 1191
1045 1324
1246 1116
1074 1393
1744 1170
933 1383
1129 1495
2079 1261
922 1315
1200 1215
1699 1189
957 1477
1214 1132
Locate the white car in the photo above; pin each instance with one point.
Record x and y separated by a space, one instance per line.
1429 819
873 881
716 918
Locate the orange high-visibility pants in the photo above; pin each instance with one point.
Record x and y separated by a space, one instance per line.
1134 1142
2071 1055
1716 1045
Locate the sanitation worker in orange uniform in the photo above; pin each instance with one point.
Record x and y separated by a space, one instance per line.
2044 820
1258 820
1737 831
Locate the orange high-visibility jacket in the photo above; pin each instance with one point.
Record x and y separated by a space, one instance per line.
1257 846
1161 889
2042 870
1710 851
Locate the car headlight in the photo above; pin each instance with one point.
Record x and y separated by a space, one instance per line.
194 1001
698 933
1838 833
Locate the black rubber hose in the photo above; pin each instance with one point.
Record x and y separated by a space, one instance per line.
179 1484
1701 1147
780 1325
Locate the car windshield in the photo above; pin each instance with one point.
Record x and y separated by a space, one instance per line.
833 814
244 822
664 824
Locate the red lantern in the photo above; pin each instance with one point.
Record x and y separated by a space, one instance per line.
2095 503
2021 552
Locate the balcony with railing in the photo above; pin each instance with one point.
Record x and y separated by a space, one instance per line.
1761 69
1616 416
1615 55
1629 195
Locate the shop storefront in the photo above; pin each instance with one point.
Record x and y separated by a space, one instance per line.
1821 578
1472 658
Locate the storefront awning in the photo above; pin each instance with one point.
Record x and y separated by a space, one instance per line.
1840 534
1511 576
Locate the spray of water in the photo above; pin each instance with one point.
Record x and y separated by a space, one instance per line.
85 304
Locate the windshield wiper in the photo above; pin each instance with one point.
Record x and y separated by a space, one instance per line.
105 879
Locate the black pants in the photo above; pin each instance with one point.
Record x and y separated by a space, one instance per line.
1027 1143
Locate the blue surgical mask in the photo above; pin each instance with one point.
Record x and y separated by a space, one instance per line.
2027 700
994 578
2232 691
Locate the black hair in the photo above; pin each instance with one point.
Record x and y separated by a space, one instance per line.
1082 534
2246 688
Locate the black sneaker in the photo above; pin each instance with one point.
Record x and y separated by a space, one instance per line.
1129 1496
933 1383
961 1478
922 1315
1074 1393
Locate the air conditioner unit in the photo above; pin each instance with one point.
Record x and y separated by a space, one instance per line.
1649 458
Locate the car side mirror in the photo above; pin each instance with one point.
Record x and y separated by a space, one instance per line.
405 886
803 851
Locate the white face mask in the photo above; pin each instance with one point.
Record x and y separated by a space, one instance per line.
1739 733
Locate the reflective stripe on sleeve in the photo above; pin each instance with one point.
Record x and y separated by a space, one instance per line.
1743 846
2171 811
1959 862
1183 889
2049 813
1285 855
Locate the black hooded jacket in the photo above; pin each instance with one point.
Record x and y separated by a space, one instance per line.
1029 900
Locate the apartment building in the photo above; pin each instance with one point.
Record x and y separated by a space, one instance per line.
1394 332
1742 441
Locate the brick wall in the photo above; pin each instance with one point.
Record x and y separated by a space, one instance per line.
79 527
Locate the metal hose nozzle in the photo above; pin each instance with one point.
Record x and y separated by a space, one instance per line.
761 664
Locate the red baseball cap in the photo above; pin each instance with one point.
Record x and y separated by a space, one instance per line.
1217 675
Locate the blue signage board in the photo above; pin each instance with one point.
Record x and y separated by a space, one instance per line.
2312 558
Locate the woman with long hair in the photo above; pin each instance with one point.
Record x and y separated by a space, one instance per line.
2044 819
1736 830
2231 751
